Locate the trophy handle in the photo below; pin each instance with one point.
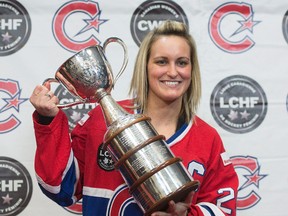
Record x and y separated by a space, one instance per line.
125 61
53 80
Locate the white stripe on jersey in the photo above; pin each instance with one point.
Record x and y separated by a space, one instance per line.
182 134
56 189
97 192
204 205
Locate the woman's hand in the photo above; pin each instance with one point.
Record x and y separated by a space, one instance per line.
177 209
44 100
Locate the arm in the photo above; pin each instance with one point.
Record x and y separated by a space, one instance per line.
56 168
218 192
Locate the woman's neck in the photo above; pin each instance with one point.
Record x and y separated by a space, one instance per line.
164 117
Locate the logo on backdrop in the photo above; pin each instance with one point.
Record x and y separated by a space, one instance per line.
10 99
285 26
76 24
231 25
248 170
238 104
15 26
76 112
15 187
151 13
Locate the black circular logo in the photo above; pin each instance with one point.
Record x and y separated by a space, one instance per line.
285 26
151 13
238 104
15 187
104 158
74 113
15 26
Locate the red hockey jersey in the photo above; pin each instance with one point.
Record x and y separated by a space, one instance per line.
68 171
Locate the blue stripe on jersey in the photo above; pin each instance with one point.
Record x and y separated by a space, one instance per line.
94 206
208 209
178 132
64 197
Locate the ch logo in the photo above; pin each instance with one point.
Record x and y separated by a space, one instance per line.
227 22
11 100
76 23
122 203
248 170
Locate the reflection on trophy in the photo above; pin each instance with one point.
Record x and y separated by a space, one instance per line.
154 175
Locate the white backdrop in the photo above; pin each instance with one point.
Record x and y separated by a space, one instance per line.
244 85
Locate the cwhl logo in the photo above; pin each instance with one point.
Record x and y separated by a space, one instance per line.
150 14
228 26
10 99
76 23
76 112
248 170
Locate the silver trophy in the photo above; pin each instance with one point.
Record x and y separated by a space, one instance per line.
154 175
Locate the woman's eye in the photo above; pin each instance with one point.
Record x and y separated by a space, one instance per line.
161 62
182 63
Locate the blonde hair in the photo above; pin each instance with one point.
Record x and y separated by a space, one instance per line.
139 84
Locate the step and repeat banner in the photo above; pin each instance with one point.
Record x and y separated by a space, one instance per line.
243 53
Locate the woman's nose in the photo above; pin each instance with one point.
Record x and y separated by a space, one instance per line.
172 70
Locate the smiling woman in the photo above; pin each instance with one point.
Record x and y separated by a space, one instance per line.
169 72
172 50
166 87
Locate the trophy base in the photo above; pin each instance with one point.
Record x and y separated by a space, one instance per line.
177 196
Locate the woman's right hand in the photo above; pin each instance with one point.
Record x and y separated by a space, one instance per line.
44 100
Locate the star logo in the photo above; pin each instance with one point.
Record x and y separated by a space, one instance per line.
253 179
248 24
6 199
244 114
13 102
93 23
6 37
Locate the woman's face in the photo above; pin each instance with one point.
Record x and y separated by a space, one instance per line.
169 69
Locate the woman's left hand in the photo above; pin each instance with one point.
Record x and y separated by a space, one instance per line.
177 209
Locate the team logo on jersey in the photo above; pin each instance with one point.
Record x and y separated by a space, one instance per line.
15 187
76 112
76 25
231 25
15 26
248 170
122 203
238 104
10 99
104 159
150 14
285 26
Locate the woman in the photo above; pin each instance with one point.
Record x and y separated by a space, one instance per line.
166 87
